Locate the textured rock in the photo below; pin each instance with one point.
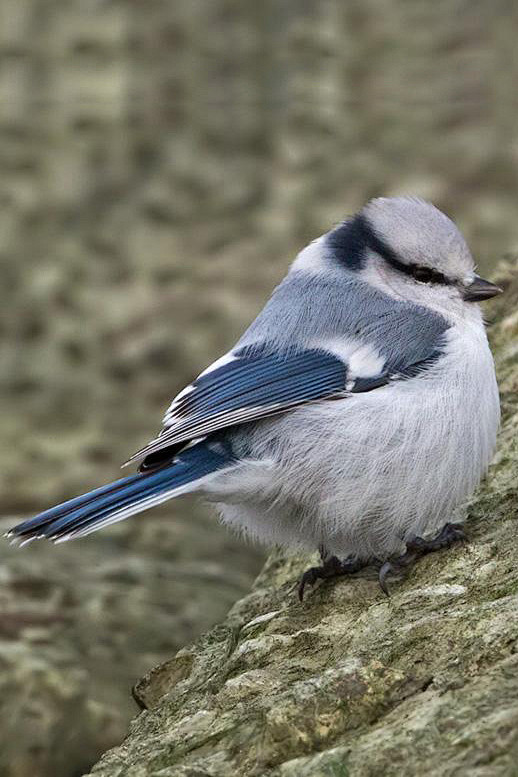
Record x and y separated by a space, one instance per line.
80 623
160 163
352 683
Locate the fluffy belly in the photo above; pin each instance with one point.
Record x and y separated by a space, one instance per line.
361 474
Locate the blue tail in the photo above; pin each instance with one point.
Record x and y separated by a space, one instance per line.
125 497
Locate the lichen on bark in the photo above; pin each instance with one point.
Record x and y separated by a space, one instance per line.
350 682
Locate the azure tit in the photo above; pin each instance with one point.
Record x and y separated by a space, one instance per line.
355 415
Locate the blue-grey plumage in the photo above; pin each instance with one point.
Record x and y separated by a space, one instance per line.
359 409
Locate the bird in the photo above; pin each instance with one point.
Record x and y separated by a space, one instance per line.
354 417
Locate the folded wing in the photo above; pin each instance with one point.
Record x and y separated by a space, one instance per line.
252 383
247 386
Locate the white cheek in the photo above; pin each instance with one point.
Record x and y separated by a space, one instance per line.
377 274
445 300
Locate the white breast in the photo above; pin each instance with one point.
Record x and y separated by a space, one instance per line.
362 474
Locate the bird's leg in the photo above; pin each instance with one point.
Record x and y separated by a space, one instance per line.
417 547
331 567
324 553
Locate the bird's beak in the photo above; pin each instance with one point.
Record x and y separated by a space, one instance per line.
479 289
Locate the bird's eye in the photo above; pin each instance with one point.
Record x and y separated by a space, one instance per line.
423 274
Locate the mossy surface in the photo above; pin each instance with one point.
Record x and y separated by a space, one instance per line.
352 683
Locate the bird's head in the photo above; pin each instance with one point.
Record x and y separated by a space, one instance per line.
409 249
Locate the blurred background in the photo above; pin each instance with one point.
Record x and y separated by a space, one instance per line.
160 165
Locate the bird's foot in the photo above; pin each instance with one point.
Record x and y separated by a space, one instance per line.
331 567
417 547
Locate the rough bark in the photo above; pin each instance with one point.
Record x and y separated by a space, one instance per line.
352 683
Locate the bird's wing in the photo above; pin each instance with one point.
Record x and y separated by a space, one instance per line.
250 383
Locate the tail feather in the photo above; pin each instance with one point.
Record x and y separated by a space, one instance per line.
47 517
127 496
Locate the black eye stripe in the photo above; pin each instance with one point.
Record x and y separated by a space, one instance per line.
425 274
428 274
419 272
351 239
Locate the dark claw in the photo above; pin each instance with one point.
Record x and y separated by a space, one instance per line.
331 567
450 533
395 567
416 543
385 570
416 547
309 577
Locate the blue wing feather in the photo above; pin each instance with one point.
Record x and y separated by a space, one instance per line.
126 496
258 383
252 386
